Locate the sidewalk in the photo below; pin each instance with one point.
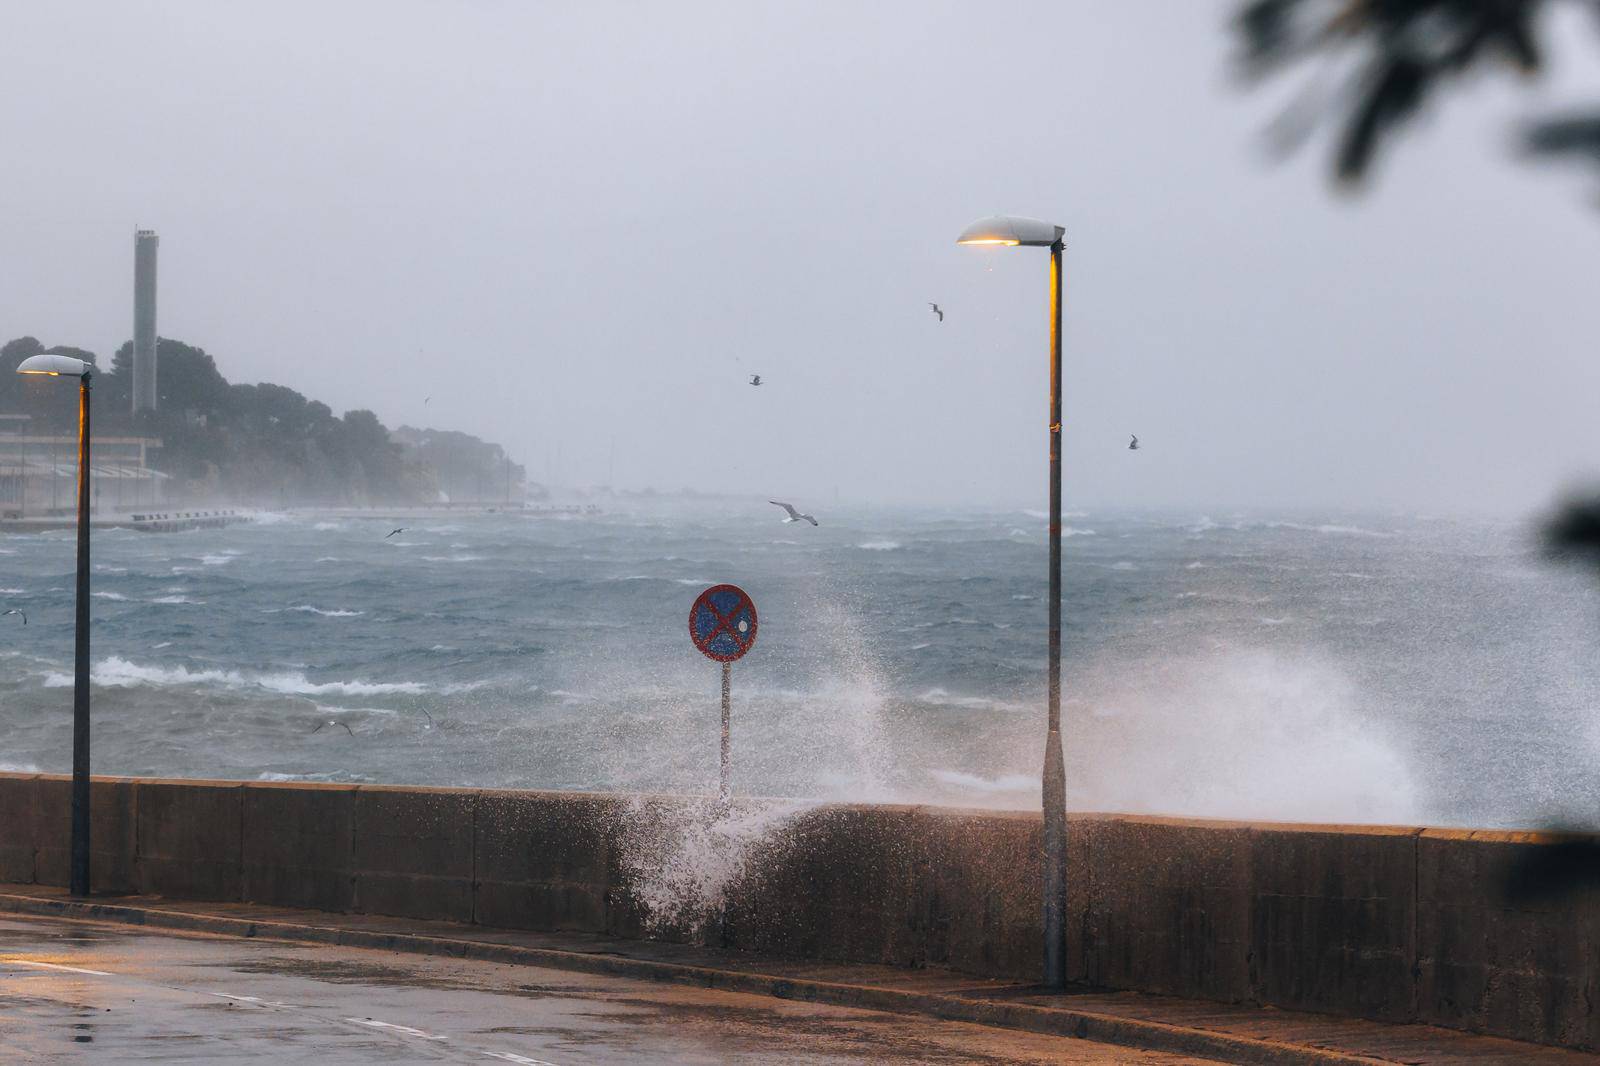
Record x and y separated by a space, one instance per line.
1217 1031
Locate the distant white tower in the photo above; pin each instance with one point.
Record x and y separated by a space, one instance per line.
144 320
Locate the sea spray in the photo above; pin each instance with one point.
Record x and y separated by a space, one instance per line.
1234 733
682 855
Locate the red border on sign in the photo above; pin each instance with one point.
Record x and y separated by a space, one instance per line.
724 623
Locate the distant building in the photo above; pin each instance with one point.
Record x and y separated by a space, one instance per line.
39 474
145 243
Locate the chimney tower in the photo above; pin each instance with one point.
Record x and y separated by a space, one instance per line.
144 320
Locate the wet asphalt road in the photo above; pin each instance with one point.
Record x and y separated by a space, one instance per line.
79 991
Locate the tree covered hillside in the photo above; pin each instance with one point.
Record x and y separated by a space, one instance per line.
263 443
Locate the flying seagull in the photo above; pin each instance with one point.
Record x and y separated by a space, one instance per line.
936 310
402 529
346 728
1133 443
794 516
16 610
755 379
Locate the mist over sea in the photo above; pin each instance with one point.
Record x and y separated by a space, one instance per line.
1361 668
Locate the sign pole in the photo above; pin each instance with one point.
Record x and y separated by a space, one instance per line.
722 625
727 765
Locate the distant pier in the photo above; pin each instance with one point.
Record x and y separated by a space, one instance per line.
145 521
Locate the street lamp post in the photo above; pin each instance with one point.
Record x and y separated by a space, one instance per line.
1010 232
65 366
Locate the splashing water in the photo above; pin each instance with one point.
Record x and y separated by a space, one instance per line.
682 856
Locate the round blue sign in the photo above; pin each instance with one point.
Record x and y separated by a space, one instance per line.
722 623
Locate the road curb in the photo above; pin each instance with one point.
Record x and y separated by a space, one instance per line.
1055 1021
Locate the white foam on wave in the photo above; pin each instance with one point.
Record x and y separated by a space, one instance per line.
117 672
454 558
1123 565
879 545
12 592
1195 566
319 776
328 708
327 558
1331 528
987 785
219 558
325 526
306 608
108 595
103 568
938 697
1074 531
178 599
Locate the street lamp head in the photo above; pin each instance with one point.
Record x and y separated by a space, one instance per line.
56 366
1011 230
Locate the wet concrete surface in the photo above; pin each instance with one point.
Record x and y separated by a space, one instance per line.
73 991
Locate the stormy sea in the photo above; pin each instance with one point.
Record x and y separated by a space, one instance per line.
1328 667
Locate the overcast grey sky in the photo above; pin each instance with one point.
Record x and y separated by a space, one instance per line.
577 227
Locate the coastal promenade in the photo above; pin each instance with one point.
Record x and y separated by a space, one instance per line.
75 991
1340 932
360 988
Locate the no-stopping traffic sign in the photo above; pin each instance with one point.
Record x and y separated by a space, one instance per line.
722 623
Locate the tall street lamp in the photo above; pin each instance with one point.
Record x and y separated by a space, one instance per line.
1010 232
64 366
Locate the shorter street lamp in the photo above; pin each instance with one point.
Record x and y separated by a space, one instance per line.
58 366
1010 231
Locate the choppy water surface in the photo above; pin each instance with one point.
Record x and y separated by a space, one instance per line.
1371 668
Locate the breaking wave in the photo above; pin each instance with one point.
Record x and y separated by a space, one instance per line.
116 672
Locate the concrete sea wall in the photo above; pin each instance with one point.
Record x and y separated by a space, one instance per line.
1445 927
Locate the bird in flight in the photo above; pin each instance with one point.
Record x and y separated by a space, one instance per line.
16 610
755 379
937 310
346 728
794 516
391 533
1133 443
